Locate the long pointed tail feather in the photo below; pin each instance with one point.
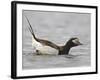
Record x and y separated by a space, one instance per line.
31 29
44 42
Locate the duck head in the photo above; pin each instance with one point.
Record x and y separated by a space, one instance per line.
72 42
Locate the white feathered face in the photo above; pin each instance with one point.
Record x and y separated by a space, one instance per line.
76 41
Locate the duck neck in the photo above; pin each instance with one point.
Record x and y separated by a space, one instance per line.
65 50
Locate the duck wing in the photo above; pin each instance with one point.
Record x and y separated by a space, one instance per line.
48 43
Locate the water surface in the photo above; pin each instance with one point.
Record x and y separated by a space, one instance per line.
57 27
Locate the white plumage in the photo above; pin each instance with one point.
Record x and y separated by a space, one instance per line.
43 49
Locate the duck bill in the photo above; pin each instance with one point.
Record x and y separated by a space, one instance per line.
80 43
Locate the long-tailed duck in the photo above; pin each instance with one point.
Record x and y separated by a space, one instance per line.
46 47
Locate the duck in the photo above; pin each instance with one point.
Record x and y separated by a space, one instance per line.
42 46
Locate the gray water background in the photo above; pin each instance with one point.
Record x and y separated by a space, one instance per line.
57 27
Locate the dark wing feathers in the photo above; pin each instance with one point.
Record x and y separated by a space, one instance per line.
49 43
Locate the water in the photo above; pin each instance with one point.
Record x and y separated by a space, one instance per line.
54 61
58 28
